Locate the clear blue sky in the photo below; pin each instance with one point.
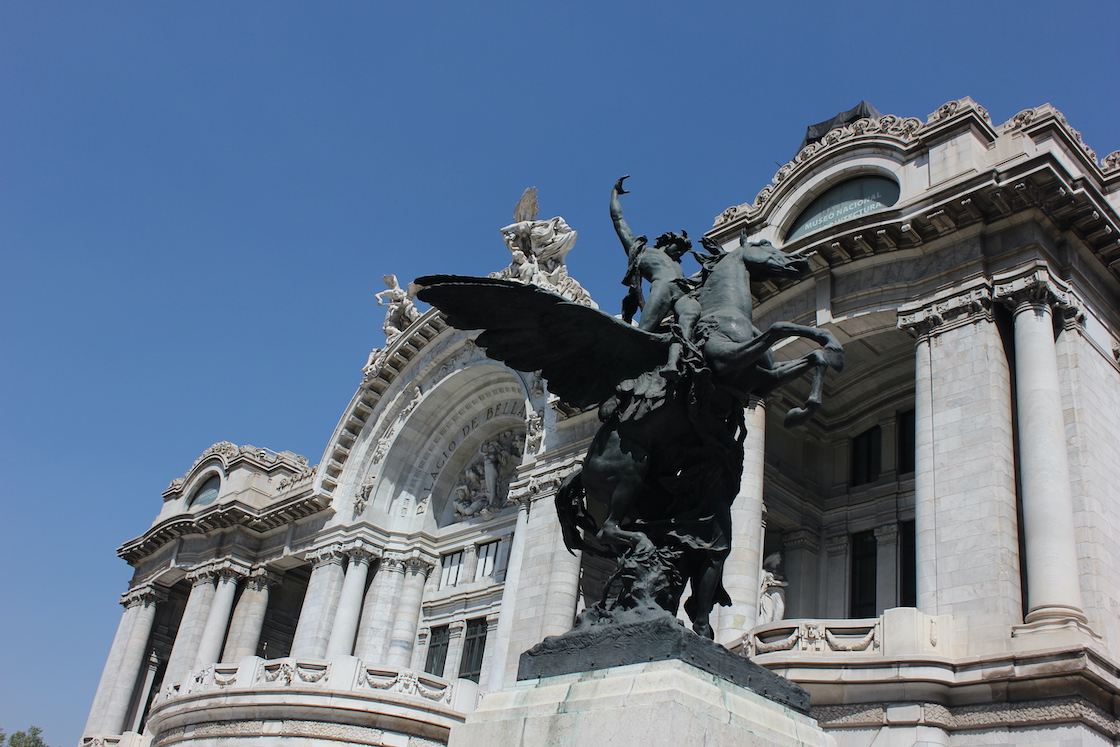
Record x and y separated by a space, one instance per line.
198 200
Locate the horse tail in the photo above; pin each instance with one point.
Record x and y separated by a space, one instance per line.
571 510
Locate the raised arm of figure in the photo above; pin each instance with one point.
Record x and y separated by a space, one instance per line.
621 227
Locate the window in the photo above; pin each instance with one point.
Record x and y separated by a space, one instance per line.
487 558
867 450
437 650
854 197
450 566
906 442
207 493
864 559
907 565
474 645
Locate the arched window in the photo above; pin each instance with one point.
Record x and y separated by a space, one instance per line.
207 492
844 201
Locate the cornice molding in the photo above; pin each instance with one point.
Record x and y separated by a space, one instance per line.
230 456
223 516
900 131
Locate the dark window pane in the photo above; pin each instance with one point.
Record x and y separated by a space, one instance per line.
474 645
864 558
905 442
867 449
437 651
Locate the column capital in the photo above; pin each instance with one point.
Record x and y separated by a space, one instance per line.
801 539
261 578
886 534
837 545
456 628
329 555
144 594
1032 284
361 552
969 302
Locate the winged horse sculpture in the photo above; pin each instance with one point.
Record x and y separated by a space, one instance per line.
657 484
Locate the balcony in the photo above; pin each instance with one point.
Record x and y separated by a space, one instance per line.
342 699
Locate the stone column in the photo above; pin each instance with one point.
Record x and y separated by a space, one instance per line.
147 681
122 669
217 620
925 496
350 602
407 618
317 615
487 654
377 613
185 650
563 589
800 565
886 569
964 484
744 563
455 633
470 564
248 616
1053 588
837 578
496 673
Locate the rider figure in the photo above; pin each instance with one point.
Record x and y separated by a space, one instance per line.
661 266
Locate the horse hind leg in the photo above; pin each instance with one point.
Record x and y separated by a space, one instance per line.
800 415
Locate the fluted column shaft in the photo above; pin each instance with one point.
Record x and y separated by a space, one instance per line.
403 638
248 617
185 650
378 611
744 562
349 603
496 676
316 618
1053 591
126 656
217 620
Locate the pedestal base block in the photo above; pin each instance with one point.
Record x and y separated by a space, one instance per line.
657 704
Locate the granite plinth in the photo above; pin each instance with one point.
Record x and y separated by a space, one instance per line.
660 639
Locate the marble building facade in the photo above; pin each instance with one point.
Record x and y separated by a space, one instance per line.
948 524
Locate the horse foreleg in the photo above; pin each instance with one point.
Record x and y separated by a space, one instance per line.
782 373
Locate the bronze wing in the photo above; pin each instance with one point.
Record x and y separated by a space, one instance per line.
582 353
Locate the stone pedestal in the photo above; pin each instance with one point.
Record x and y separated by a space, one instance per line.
657 704
650 683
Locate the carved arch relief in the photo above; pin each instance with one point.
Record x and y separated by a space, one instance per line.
483 405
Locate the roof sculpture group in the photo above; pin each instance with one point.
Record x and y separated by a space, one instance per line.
657 484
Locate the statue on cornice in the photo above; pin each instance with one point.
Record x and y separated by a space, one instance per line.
656 487
538 250
401 310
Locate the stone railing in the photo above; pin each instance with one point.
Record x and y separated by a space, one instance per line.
845 636
903 631
343 674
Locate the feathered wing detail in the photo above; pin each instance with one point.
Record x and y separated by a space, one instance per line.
581 352
527 207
